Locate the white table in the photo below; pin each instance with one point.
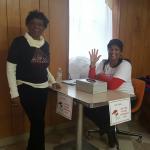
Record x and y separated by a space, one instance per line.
91 101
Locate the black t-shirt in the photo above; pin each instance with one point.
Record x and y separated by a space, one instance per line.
31 62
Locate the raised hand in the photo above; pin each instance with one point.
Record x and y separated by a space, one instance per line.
94 57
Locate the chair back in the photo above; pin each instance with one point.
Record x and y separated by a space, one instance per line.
139 88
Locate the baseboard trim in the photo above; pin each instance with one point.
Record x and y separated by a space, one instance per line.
13 139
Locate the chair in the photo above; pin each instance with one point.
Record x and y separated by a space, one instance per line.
139 87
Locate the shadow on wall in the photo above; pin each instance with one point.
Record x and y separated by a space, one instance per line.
79 67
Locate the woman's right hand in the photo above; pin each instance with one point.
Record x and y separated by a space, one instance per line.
94 57
56 86
15 101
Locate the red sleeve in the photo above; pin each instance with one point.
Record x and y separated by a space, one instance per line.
112 82
92 73
103 77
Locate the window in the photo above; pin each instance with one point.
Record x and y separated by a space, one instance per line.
90 27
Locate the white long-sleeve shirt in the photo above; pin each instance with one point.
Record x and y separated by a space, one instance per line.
12 82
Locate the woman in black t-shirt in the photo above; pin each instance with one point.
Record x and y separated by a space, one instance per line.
28 75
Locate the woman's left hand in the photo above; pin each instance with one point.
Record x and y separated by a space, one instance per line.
56 86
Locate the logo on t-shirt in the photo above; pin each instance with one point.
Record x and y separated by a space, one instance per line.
39 57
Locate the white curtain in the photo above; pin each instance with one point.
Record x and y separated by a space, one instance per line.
90 27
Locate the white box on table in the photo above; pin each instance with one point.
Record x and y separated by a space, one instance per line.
91 86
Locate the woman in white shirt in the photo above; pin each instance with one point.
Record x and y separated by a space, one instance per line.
116 71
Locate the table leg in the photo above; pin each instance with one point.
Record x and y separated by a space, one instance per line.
80 127
79 144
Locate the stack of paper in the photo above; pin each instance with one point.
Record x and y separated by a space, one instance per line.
70 82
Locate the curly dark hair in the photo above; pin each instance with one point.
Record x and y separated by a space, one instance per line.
37 14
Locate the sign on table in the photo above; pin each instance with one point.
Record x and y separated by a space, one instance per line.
64 105
120 111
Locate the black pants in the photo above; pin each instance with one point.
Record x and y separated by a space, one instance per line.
100 116
33 101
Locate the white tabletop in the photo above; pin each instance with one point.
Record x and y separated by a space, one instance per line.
91 100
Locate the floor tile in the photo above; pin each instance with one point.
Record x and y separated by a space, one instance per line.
59 136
